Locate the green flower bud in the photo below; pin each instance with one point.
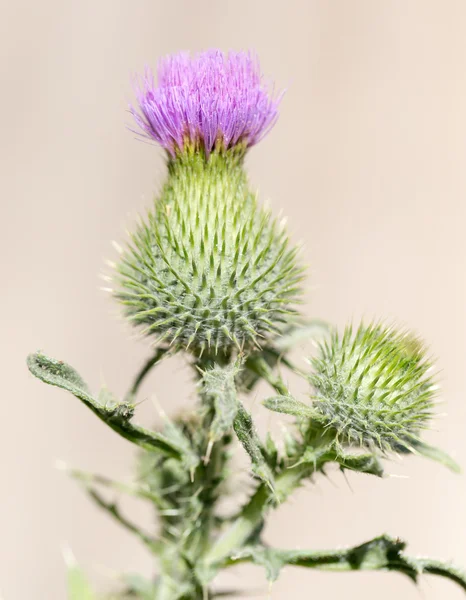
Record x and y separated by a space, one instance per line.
208 268
373 387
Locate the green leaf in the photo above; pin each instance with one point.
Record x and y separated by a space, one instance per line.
363 463
218 384
382 553
436 454
247 435
77 583
319 454
289 406
116 415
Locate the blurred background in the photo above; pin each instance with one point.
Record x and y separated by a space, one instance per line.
368 163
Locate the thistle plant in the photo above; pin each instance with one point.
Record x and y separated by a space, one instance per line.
211 274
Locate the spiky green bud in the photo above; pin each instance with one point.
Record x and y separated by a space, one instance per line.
374 387
208 268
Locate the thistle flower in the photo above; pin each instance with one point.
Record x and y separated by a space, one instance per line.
374 387
209 268
210 100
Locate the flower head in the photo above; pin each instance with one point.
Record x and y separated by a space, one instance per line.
208 100
209 270
374 387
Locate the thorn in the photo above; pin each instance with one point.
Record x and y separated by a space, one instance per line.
347 480
208 452
117 247
68 556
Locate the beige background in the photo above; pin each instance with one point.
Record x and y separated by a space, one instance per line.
368 162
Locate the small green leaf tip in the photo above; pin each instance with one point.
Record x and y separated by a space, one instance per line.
209 269
374 388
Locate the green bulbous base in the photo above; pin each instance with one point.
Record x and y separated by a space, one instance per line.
208 269
373 388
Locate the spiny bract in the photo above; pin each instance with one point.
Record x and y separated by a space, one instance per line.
373 387
208 269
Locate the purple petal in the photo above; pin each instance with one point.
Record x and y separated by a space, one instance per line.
206 98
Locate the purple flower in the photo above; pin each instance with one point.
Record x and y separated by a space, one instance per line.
208 99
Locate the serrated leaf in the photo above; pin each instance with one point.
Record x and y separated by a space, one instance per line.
323 453
381 553
116 416
289 406
247 435
219 385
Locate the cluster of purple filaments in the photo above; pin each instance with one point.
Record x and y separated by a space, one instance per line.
208 100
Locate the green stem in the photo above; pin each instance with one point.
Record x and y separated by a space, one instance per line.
146 369
381 553
112 509
259 366
254 511
137 491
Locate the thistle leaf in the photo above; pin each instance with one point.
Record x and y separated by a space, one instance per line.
247 435
382 553
116 415
289 406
